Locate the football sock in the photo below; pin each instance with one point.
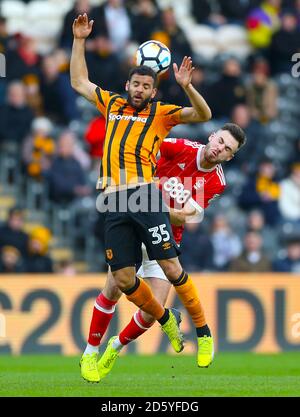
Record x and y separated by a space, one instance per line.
203 331
141 295
187 292
135 328
91 349
102 314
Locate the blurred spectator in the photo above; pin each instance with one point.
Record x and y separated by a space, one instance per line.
10 260
294 156
262 192
208 12
103 64
66 177
4 37
226 243
172 36
256 223
38 259
12 234
145 17
262 93
66 35
285 43
59 99
66 267
230 87
171 92
289 200
201 10
39 147
112 21
253 258
95 135
15 115
23 60
4 40
254 132
297 10
290 261
128 61
262 22
236 11
197 249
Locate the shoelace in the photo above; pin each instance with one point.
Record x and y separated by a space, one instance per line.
204 345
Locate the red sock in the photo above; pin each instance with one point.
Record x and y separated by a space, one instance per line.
102 314
134 329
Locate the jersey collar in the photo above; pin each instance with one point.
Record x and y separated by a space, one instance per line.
198 158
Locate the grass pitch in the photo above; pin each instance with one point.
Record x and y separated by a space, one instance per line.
233 374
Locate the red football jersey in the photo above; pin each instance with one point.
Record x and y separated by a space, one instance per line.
181 178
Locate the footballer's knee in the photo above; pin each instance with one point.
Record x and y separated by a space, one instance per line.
124 278
171 268
111 290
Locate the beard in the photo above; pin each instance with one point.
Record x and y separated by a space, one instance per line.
139 107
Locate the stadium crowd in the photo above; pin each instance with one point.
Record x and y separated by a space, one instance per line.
51 140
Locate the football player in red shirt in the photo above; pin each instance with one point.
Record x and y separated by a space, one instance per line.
190 177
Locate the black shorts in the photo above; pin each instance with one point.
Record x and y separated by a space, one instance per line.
145 220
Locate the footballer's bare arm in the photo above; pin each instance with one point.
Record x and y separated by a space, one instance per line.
179 217
82 28
200 111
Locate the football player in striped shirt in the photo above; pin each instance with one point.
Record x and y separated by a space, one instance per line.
190 177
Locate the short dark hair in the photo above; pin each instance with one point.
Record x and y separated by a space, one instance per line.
237 132
143 70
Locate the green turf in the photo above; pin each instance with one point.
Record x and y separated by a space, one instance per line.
159 375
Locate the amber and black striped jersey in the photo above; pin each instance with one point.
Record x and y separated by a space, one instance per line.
132 138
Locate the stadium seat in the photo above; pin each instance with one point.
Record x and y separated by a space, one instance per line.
13 9
40 9
233 39
15 25
203 41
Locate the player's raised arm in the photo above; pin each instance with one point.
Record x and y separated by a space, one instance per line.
82 27
200 112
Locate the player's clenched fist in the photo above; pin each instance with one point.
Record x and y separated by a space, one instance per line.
82 27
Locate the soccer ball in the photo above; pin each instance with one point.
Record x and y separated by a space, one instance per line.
154 54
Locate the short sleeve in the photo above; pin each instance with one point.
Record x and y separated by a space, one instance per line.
171 147
171 115
102 99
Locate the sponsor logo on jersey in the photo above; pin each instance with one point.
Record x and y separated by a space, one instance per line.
113 117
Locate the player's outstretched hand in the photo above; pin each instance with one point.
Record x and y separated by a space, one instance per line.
183 75
82 27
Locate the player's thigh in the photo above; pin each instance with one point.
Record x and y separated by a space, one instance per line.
122 243
154 230
150 268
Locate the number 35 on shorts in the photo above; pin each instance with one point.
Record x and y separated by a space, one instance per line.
159 233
